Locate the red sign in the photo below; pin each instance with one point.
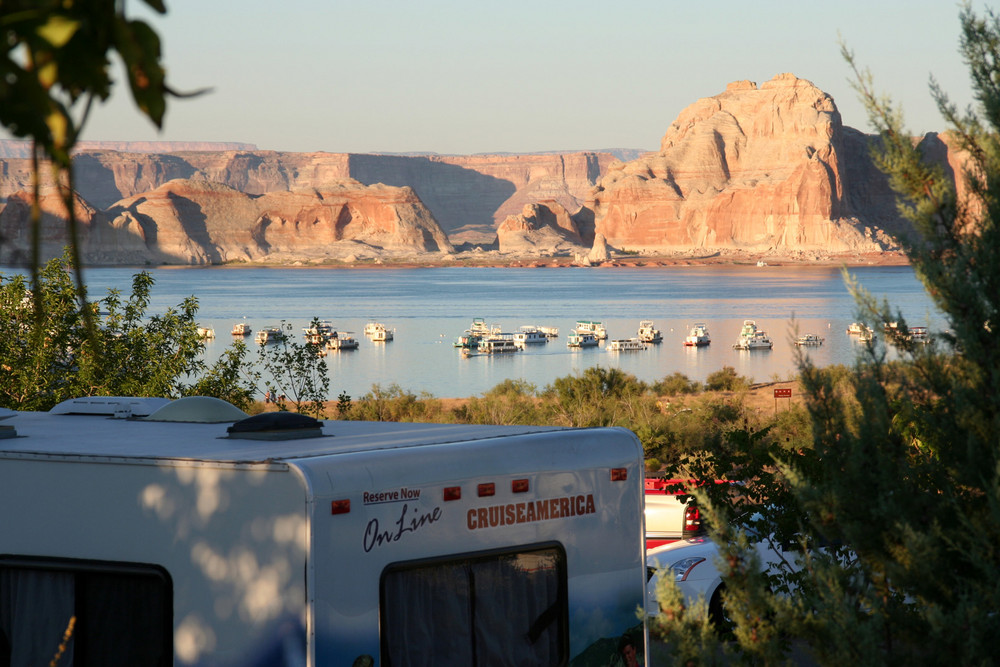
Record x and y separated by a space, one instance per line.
783 393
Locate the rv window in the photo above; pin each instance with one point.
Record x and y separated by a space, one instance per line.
505 608
122 613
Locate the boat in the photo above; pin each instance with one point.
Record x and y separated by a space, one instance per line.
593 327
577 339
475 333
867 335
528 335
318 332
749 327
241 329
625 345
378 332
649 333
919 335
551 332
759 340
857 328
341 340
809 339
268 335
206 332
497 345
698 335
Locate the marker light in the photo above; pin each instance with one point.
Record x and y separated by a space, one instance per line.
619 474
519 486
340 506
452 493
487 489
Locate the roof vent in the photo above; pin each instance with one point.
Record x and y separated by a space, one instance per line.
199 410
277 426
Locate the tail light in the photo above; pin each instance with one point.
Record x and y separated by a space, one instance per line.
692 519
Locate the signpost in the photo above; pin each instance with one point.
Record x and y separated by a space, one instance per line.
782 392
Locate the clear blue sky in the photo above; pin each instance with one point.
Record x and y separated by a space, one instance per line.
514 76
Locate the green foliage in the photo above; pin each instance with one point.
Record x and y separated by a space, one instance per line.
894 508
48 356
386 404
727 379
676 383
510 402
597 397
229 378
296 373
56 56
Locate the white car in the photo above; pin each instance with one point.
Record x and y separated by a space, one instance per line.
693 565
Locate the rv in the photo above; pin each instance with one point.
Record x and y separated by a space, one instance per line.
186 533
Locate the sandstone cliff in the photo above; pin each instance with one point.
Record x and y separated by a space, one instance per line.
757 168
545 228
200 222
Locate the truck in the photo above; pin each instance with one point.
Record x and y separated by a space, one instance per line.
671 514
140 531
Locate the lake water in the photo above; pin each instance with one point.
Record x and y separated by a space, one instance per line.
429 307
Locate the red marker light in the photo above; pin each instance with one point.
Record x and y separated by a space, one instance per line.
519 486
487 489
452 493
619 474
340 506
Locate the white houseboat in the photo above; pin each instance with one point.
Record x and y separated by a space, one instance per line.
649 333
577 339
625 345
698 336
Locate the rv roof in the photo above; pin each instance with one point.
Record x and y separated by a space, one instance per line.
71 435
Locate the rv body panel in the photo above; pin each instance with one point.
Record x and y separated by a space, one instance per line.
266 540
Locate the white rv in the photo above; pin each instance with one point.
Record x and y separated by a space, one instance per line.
180 533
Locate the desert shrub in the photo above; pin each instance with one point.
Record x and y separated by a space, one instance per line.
727 379
676 383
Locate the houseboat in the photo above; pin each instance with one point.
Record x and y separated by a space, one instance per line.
577 339
268 335
758 340
529 335
649 333
241 329
378 332
592 327
698 336
809 339
625 345
341 340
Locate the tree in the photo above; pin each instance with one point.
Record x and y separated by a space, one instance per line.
895 508
48 355
296 372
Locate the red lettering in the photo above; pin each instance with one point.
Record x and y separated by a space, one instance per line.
543 510
590 504
470 520
565 509
531 512
581 504
511 512
520 512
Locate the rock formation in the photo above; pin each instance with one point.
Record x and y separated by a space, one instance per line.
545 228
200 222
751 168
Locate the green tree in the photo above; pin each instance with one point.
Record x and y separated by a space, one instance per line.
48 355
296 372
55 64
893 509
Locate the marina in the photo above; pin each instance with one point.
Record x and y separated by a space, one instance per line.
428 308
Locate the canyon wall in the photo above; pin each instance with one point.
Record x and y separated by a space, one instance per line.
761 169
768 168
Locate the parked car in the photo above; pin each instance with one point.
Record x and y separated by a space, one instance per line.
692 563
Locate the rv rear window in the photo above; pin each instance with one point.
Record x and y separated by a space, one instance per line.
496 608
93 613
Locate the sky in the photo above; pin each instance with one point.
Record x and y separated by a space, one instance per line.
486 76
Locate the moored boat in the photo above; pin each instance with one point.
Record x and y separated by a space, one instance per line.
857 328
378 332
759 340
625 345
577 339
528 335
497 345
268 335
341 340
592 327
809 339
698 336
649 333
206 332
551 332
241 329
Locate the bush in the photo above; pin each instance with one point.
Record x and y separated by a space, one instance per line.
727 379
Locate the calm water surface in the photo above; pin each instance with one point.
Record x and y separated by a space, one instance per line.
428 308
